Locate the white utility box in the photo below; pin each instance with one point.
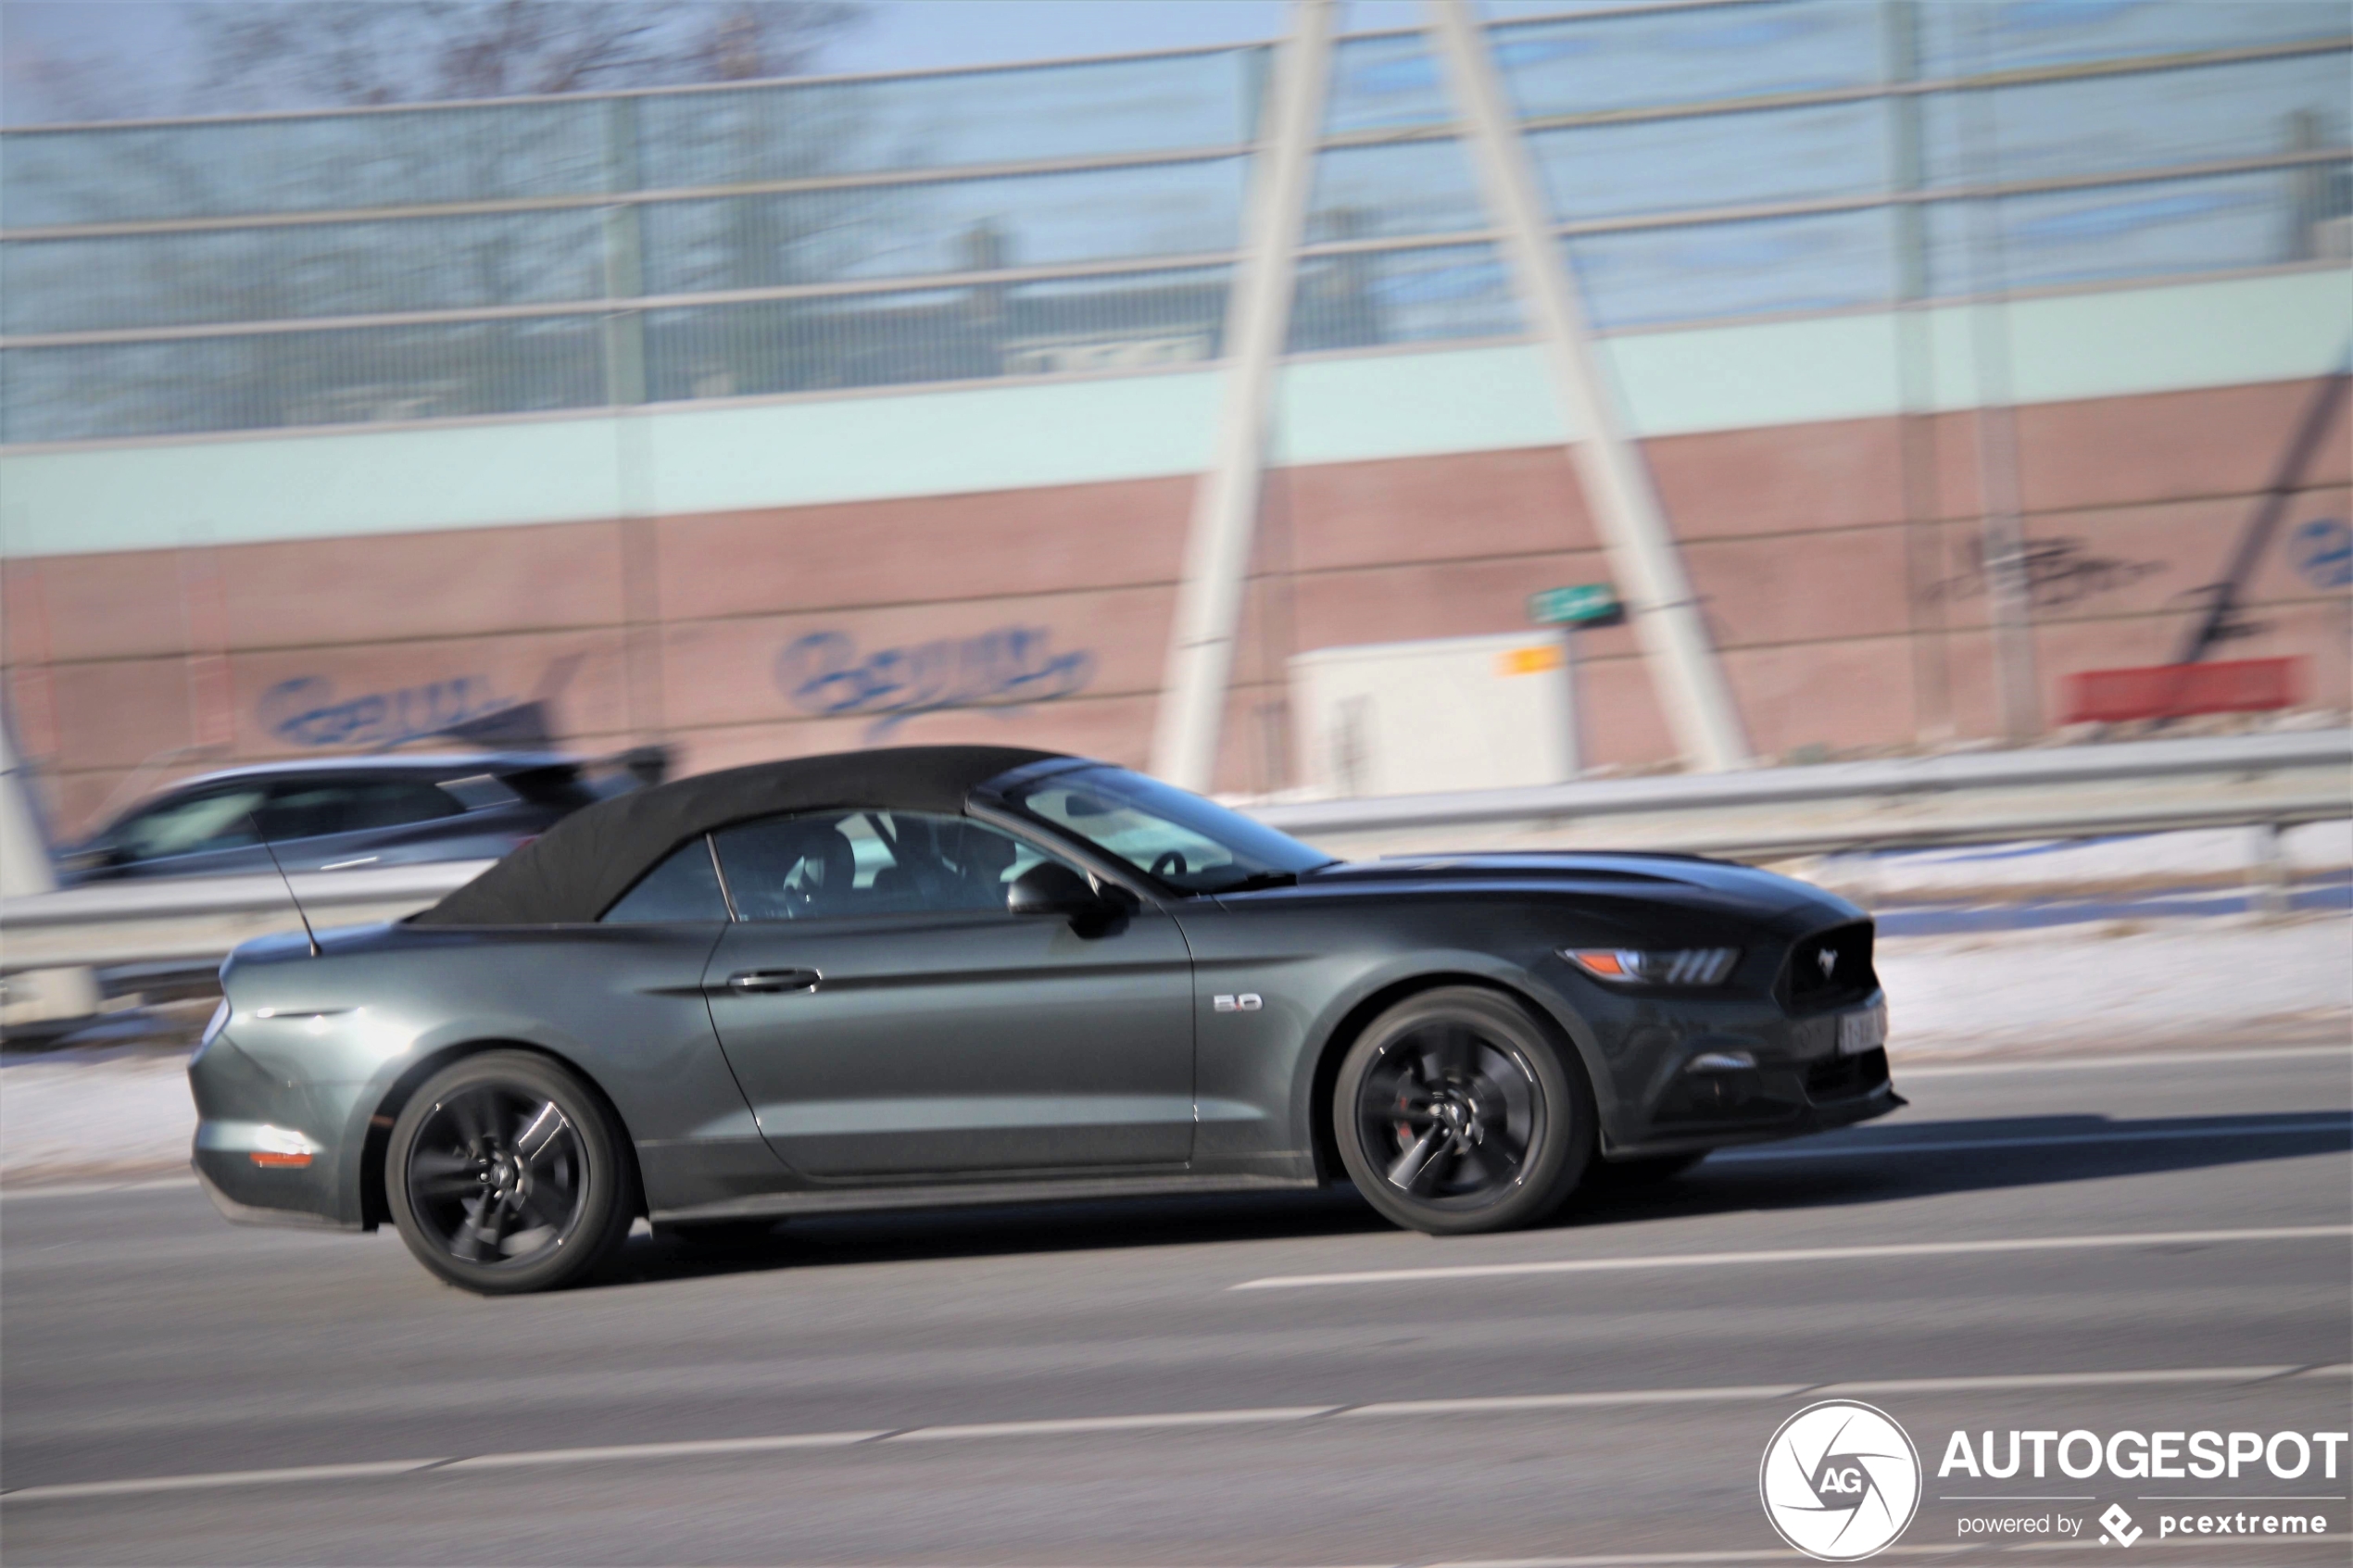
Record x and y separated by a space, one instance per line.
1446 714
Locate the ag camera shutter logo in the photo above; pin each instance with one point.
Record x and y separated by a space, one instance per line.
1839 1480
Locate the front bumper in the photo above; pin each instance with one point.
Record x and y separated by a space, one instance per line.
1726 1079
1787 1121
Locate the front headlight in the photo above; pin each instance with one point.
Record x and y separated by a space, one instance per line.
220 1017
1656 966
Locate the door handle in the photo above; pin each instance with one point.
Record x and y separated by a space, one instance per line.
747 981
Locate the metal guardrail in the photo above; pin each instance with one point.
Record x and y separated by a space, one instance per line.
2274 781
198 918
2074 792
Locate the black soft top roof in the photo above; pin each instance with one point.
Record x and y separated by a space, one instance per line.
571 873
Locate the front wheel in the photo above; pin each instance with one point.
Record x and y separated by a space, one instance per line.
506 1174
1454 1112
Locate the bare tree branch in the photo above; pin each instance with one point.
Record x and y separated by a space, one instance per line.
257 55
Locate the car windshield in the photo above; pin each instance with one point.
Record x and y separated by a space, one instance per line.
1169 833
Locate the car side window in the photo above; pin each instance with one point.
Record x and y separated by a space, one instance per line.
189 824
820 864
315 807
683 887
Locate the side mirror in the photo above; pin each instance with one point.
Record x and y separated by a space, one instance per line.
1052 889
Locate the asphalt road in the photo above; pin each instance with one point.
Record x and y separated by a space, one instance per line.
962 1382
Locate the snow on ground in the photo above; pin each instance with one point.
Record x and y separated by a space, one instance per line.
2213 983
2119 986
70 1113
2059 866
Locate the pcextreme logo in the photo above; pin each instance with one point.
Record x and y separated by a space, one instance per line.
1839 1480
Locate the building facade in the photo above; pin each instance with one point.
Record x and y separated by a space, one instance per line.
779 418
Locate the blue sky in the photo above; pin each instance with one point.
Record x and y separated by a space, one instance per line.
898 35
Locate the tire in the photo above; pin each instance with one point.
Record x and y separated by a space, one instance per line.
505 1173
1650 1170
1440 1085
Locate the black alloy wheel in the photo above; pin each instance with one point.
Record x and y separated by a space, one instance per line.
1457 1112
505 1175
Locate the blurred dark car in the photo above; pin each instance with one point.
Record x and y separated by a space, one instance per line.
344 814
981 974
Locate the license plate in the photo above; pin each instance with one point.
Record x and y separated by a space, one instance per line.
1864 1031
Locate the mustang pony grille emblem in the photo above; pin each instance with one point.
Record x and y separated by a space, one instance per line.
1828 959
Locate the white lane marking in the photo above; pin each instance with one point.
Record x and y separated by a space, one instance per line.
664 1450
1794 1255
226 1478
1762 1554
1503 1404
1931 1069
1113 1424
2069 1380
1506 1404
2332 1124
91 1189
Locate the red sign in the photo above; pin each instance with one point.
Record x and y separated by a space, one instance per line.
2176 691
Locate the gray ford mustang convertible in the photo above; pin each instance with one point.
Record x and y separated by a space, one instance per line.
976 974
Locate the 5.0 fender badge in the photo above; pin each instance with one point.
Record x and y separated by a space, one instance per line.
1248 1002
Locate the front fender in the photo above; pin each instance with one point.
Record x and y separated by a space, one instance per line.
1367 993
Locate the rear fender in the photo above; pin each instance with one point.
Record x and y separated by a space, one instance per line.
366 1132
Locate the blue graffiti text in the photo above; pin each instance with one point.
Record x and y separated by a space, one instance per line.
1010 667
306 710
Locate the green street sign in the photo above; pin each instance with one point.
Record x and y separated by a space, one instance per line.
1585 604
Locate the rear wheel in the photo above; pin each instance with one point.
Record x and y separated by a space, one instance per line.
505 1175
1454 1112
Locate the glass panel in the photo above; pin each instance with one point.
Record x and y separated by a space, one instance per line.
889 231
2047 32
218 819
2146 120
1192 845
313 270
683 887
1581 65
693 139
2136 230
1383 82
1101 323
314 808
1719 160
1401 188
1365 298
264 381
310 164
1715 269
825 864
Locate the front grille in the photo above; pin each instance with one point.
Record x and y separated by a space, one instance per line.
1844 1077
1809 984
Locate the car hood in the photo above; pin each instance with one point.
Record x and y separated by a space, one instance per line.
1681 879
